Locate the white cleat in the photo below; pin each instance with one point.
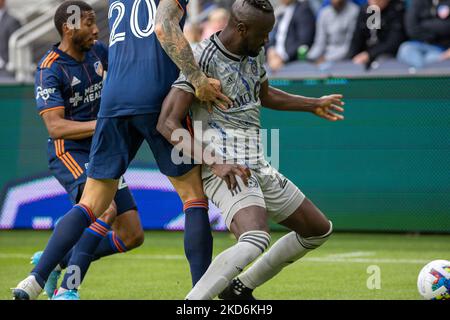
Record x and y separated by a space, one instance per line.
28 289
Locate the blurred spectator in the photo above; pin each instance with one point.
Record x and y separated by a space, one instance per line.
316 6
377 43
193 33
428 26
8 25
294 29
217 20
334 31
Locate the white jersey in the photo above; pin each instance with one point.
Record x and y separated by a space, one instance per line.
235 130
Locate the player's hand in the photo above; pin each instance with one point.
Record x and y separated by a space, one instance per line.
210 91
228 172
327 106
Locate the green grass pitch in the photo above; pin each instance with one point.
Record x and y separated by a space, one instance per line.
341 269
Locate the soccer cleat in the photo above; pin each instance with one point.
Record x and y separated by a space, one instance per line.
52 281
67 295
28 289
236 290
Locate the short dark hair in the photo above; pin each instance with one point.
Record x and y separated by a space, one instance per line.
61 14
263 5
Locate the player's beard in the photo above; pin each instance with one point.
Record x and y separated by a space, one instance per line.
81 44
252 52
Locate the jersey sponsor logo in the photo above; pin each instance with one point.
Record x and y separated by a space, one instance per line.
44 93
93 92
76 99
98 66
75 81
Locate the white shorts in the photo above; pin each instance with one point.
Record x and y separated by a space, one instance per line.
267 188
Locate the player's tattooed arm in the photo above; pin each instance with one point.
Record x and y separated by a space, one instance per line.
174 43
327 107
60 128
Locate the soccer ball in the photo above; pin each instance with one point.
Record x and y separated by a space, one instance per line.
434 280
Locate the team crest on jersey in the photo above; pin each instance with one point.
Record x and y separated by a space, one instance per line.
252 182
99 68
252 67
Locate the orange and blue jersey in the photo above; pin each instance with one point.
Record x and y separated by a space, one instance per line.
141 73
63 83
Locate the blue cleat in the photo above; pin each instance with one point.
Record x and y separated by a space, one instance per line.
67 295
52 281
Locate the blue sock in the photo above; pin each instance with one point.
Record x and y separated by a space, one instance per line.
83 254
67 232
109 245
198 241
65 261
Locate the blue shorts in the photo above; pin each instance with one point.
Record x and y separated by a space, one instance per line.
124 198
68 162
117 140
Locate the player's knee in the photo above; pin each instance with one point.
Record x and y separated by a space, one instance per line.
191 195
257 239
134 240
316 241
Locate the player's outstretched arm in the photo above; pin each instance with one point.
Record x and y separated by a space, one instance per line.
60 128
327 107
174 43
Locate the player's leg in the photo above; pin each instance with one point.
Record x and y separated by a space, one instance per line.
66 234
186 179
105 161
198 241
70 228
245 215
127 234
310 230
127 230
250 228
106 165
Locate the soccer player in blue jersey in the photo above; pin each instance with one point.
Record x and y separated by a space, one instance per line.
147 50
68 85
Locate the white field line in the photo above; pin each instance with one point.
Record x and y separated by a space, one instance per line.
326 259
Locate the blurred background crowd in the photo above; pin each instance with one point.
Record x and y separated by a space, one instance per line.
321 33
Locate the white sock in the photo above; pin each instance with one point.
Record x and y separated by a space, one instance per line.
284 252
229 264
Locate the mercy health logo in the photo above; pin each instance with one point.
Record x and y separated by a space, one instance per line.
39 202
93 93
44 93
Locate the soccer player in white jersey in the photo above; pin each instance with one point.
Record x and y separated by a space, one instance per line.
235 57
